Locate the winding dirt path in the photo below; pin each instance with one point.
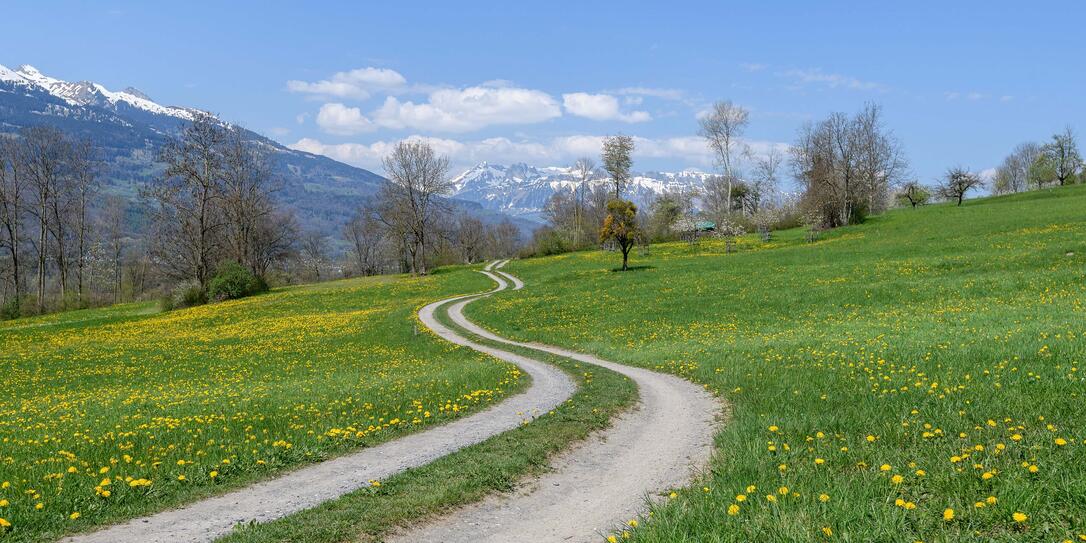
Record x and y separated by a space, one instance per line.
310 486
599 484
593 487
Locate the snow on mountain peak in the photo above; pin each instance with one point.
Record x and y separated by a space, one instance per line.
84 93
523 190
7 74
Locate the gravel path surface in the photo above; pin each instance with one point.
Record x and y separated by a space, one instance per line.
598 485
309 486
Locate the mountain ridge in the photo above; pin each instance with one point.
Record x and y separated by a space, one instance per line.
129 127
522 190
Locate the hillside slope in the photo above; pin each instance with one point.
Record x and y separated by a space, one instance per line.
916 378
129 128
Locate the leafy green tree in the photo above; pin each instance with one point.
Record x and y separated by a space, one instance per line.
621 226
914 194
1063 157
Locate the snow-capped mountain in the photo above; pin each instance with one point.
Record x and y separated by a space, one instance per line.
128 128
523 190
87 93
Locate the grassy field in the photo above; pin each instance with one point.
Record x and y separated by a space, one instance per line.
916 378
106 414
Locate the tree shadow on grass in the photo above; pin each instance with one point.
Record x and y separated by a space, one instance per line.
635 268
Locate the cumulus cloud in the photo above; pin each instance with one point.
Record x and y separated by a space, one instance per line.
339 119
600 107
471 108
357 84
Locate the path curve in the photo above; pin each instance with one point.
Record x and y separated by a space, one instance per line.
310 486
599 484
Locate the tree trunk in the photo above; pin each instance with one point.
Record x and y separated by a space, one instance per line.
42 251
626 256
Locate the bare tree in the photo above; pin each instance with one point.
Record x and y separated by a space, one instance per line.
504 239
716 198
273 239
43 153
410 202
957 182
12 211
617 151
314 252
880 159
84 172
1013 175
766 176
471 238
113 230
1063 156
247 200
583 169
847 166
722 129
366 237
188 217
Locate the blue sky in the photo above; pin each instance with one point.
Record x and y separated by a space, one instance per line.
504 81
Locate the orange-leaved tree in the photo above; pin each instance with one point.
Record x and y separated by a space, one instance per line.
621 226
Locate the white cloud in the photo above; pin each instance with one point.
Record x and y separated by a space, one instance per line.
972 96
689 150
666 94
831 80
357 84
346 121
472 108
753 66
600 107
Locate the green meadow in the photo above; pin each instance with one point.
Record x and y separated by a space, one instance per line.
112 413
915 378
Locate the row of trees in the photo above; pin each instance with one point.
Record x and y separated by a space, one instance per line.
214 204
847 168
212 211
410 226
47 184
1033 166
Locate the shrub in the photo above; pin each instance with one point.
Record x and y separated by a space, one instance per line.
548 241
10 310
234 281
188 294
165 303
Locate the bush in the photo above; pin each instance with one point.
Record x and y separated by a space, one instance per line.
234 281
188 294
548 241
10 310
